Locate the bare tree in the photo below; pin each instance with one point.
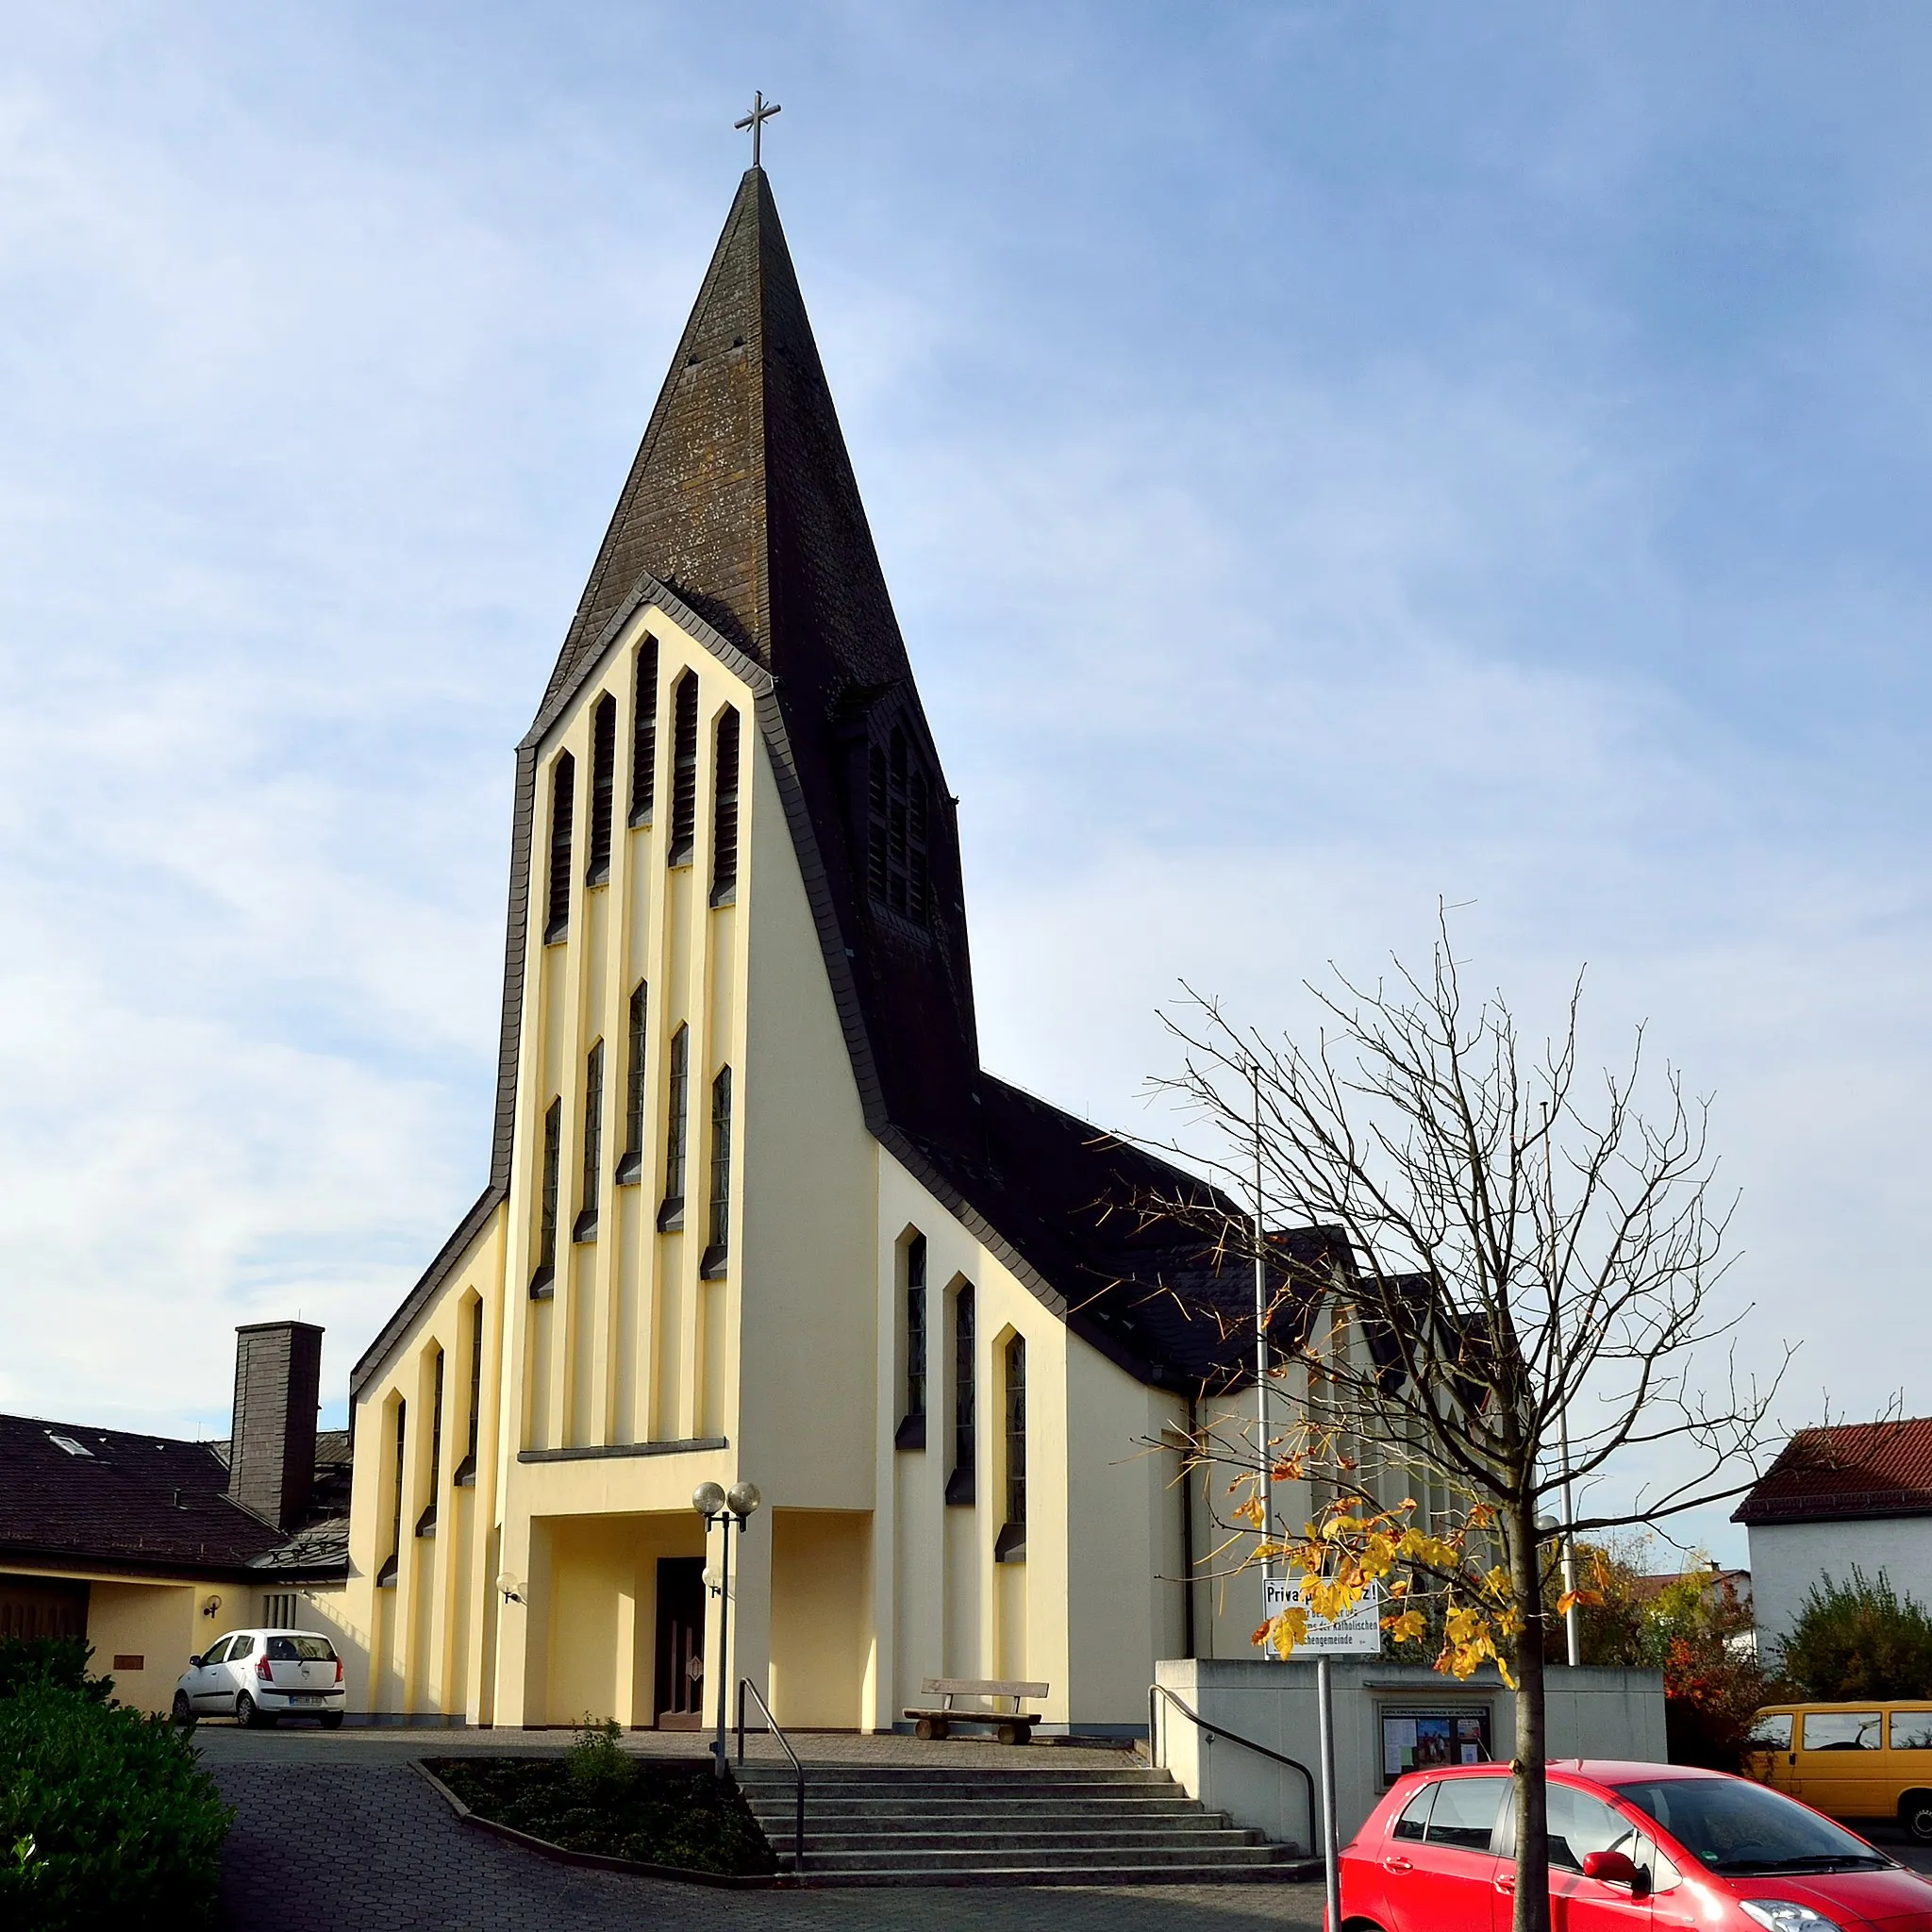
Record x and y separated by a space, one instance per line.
1530 1290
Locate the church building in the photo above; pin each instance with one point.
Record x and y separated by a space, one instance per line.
755 1211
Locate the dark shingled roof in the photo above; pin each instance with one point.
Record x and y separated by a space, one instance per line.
1845 1473
134 1503
741 517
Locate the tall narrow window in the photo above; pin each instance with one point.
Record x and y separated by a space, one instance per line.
585 1228
1012 1545
643 736
426 1524
603 788
677 1127
466 1470
725 810
960 1485
912 1428
718 1250
684 771
387 1574
898 809
563 794
543 1283
631 1168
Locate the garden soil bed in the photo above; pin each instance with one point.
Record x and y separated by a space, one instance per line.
679 1819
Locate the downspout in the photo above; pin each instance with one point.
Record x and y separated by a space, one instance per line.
1188 1534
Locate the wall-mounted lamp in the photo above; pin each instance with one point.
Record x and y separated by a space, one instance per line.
512 1589
210 1605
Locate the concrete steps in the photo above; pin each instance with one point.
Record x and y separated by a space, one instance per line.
890 1824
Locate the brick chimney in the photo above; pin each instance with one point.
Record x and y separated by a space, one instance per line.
272 1438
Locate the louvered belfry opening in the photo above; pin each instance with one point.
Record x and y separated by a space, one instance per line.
725 810
630 1166
603 788
684 772
563 798
644 735
961 1485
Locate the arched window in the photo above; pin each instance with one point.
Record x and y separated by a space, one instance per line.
603 788
563 795
543 1283
426 1524
915 1329
585 1228
643 736
1012 1538
719 1249
961 1485
466 1470
630 1169
386 1576
677 1127
684 771
898 809
725 810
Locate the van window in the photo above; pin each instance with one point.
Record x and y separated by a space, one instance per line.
1911 1730
1772 1731
1466 1811
1842 1730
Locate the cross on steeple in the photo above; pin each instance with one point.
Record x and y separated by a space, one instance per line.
755 121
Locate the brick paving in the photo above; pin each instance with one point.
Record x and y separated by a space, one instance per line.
336 1834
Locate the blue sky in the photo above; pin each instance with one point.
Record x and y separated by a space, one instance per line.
1325 458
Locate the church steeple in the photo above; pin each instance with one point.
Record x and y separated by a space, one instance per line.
741 499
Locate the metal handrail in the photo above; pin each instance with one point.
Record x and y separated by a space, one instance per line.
745 1684
1195 1717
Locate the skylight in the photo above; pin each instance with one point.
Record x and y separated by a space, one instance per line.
68 1443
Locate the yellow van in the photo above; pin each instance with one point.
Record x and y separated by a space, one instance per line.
1851 1760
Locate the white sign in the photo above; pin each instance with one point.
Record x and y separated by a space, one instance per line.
1358 1634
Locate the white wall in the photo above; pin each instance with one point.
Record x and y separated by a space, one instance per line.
1591 1713
1786 1558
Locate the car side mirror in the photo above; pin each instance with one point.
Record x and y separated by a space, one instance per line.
194 1663
1615 1868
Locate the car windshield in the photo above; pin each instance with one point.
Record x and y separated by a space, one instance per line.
308 1650
1733 1827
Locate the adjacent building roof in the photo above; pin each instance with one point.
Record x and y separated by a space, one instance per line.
1849 1473
741 517
75 1494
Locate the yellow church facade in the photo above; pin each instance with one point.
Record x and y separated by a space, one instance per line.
755 1211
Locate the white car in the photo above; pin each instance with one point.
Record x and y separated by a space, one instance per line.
256 1677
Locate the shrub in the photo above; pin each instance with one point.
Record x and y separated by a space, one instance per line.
62 1660
1859 1638
105 1817
596 1763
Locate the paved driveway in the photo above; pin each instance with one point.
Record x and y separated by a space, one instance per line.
336 1834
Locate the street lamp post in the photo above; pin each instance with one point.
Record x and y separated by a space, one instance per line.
729 1508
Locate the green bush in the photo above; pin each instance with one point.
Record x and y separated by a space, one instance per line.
1859 1638
105 1817
62 1660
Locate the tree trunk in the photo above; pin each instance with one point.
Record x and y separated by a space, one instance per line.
1532 1912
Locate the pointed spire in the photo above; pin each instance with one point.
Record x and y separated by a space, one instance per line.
741 499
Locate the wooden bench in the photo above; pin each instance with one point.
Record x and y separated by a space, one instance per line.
1015 1726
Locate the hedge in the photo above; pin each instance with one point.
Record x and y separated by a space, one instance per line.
105 1817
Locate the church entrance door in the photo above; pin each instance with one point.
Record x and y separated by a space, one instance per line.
680 1644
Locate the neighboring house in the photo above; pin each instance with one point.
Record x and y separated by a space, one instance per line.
755 1210
151 1547
1859 1494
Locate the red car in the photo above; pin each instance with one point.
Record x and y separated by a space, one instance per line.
1631 1846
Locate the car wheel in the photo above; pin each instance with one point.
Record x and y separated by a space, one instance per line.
183 1712
1915 1814
247 1714
331 1720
